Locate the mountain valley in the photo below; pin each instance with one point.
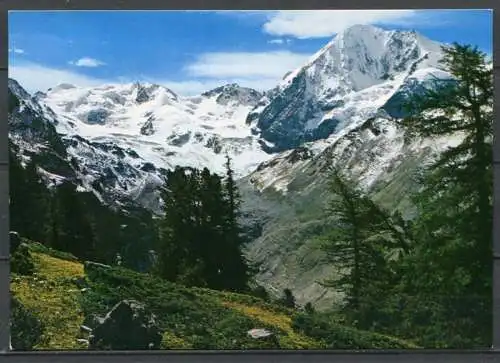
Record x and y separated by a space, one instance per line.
339 109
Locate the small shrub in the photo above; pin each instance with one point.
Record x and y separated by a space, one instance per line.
288 299
172 341
21 261
308 308
261 293
338 336
26 329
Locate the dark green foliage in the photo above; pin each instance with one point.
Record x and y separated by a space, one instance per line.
21 261
260 292
26 329
198 317
70 229
288 299
309 309
451 266
432 319
428 280
201 240
363 243
132 233
28 200
75 222
337 336
237 267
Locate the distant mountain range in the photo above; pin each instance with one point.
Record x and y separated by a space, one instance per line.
339 108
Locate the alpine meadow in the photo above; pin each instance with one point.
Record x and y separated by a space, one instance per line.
348 206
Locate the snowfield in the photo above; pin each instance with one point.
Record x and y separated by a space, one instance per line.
162 128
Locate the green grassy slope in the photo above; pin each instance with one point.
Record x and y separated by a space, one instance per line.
189 318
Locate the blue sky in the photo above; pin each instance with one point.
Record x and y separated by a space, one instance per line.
193 51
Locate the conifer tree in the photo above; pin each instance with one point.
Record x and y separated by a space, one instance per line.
28 202
18 195
38 203
212 228
309 309
360 246
200 243
76 234
54 232
452 262
237 267
233 196
173 246
288 299
345 245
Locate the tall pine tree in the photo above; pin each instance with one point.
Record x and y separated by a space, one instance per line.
236 266
173 246
29 200
74 230
361 247
452 262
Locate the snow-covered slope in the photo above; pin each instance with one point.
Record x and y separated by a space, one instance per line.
343 84
161 127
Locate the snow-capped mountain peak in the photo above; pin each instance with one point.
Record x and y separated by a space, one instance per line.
344 83
365 55
235 94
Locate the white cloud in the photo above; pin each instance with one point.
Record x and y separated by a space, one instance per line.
325 23
257 15
280 41
87 62
258 70
276 41
34 77
261 71
16 50
246 64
